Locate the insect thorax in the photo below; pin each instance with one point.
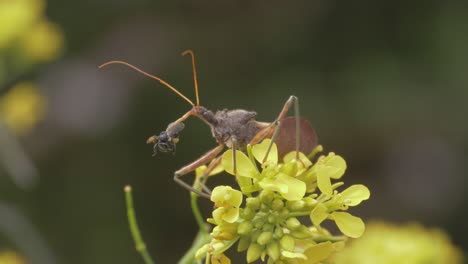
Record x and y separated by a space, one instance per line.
237 123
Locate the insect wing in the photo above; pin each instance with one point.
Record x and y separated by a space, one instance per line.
286 140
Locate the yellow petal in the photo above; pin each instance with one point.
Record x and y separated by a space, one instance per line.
260 150
350 225
292 156
319 252
220 259
324 183
243 164
318 214
354 195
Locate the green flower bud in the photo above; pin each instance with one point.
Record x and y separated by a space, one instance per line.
272 218
259 222
268 227
244 243
265 208
264 238
301 233
278 233
277 204
254 252
255 234
248 213
201 252
267 197
289 169
273 250
253 203
284 213
287 243
295 205
309 202
292 223
244 228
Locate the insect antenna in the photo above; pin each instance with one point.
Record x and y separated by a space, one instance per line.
152 77
194 73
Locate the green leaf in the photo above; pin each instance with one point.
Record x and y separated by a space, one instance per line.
350 225
259 151
354 195
244 165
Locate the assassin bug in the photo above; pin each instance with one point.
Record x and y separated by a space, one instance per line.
231 128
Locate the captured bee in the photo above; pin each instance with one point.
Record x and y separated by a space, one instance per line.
166 140
234 129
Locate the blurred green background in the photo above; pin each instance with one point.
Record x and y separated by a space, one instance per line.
384 83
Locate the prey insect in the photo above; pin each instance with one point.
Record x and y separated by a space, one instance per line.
234 129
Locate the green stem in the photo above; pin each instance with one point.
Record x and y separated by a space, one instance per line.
299 213
139 243
196 213
320 239
200 240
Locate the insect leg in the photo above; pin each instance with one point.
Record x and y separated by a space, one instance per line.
210 155
292 100
203 177
273 128
234 149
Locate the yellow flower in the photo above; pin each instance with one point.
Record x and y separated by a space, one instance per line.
22 107
42 42
385 244
10 257
16 16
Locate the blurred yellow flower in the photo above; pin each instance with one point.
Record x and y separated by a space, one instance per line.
412 244
16 16
42 42
22 107
10 257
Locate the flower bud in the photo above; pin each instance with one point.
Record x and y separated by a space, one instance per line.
268 227
278 233
254 252
301 233
267 197
201 252
287 243
295 205
292 223
264 238
244 243
289 168
244 228
248 213
284 212
309 201
273 250
277 204
253 203
259 222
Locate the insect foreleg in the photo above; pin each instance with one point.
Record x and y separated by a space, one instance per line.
202 179
210 155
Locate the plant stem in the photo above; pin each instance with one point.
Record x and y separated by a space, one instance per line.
139 243
196 213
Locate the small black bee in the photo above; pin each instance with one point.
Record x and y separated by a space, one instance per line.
166 140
